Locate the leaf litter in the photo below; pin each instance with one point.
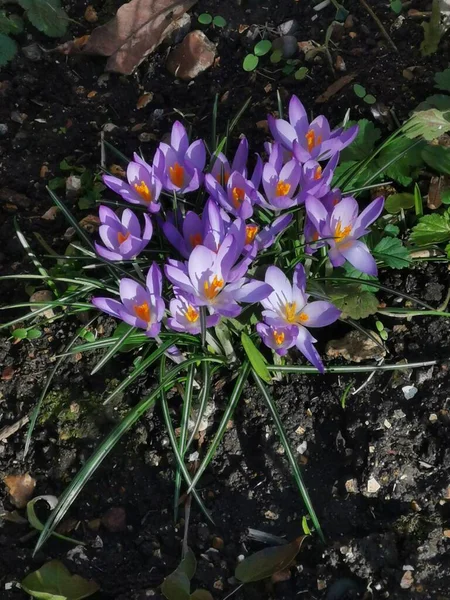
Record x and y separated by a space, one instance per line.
137 29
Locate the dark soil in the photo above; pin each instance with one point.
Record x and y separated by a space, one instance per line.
402 444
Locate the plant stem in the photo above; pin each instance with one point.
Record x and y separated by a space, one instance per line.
379 24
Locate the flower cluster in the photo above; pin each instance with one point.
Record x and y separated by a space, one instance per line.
241 214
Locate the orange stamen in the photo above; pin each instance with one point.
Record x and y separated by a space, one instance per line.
250 233
195 239
176 175
238 197
142 311
290 310
143 191
318 173
211 290
311 139
282 188
340 234
192 314
123 238
278 337
315 236
223 178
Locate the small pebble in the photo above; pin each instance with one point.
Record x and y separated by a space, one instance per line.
288 27
407 580
287 44
433 418
3 129
373 486
409 391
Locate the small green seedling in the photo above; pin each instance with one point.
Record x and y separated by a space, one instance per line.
207 19
177 586
396 6
53 580
266 562
381 330
30 333
264 47
360 91
261 48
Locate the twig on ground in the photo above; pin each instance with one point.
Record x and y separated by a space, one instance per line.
379 24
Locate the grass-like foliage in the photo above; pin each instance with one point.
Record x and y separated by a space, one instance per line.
215 266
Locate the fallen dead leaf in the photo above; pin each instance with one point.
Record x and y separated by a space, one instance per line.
90 223
243 28
263 125
20 488
137 29
92 94
7 373
144 100
268 88
335 87
90 14
9 430
117 171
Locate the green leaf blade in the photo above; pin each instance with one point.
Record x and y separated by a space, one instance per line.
266 562
393 253
46 15
8 49
255 357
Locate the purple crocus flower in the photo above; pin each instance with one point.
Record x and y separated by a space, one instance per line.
221 169
288 306
205 277
315 180
307 140
343 227
140 306
310 231
280 185
143 186
122 237
186 316
279 339
236 197
178 164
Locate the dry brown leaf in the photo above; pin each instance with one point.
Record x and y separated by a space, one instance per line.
144 100
90 14
20 488
243 27
438 186
137 29
335 87
117 171
8 373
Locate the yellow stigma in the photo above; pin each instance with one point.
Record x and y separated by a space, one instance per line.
192 314
312 140
238 197
292 316
195 239
250 233
176 175
340 234
278 337
142 311
318 173
143 191
121 238
282 188
211 290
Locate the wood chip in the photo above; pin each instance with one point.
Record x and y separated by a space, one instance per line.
144 100
20 488
9 430
335 87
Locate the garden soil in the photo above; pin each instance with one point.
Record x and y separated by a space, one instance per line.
377 470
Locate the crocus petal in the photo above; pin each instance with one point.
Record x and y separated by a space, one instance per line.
108 216
282 131
196 154
175 238
279 282
201 266
358 255
301 154
179 139
241 157
107 254
320 313
114 183
253 291
108 305
148 229
305 343
368 216
336 258
317 213
154 280
257 172
297 113
344 214
299 279
131 222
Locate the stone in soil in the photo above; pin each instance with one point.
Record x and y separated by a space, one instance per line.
195 54
287 44
356 347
